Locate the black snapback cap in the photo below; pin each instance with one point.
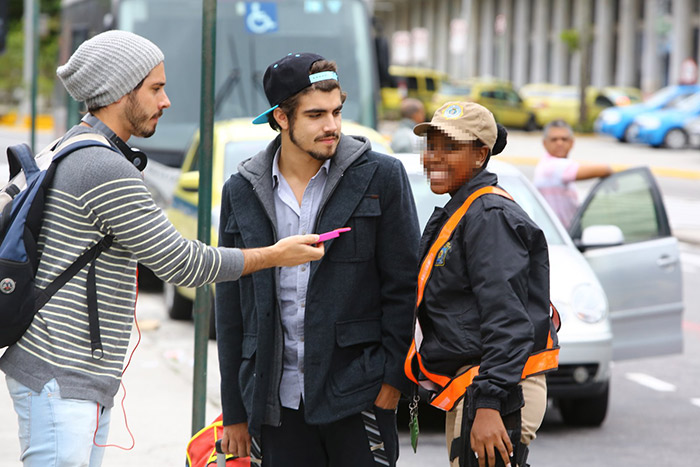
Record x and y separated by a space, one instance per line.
287 77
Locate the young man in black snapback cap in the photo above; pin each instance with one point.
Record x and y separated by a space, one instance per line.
311 356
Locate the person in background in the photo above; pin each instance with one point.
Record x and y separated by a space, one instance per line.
61 387
555 173
412 113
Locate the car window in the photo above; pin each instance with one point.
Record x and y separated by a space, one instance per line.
603 101
662 96
238 151
488 94
674 101
194 163
455 90
523 194
512 97
430 84
627 202
689 103
412 82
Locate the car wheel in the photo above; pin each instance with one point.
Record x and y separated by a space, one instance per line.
630 133
585 411
179 308
531 124
676 139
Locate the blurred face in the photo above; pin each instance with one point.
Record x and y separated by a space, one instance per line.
558 142
315 128
449 163
145 105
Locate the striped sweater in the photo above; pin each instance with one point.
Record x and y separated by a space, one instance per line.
96 192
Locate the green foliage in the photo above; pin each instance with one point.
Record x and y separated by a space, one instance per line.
12 61
571 38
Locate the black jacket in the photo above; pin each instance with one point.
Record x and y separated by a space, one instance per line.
360 299
487 299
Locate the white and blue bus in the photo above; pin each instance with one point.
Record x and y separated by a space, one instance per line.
250 36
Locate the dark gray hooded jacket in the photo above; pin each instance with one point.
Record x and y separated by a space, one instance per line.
360 299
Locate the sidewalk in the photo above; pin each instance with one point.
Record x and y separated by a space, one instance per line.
159 396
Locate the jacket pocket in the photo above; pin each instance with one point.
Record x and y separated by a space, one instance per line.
359 359
232 226
359 244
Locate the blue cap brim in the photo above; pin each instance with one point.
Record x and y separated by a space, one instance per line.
263 117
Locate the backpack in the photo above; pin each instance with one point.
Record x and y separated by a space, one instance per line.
202 449
21 214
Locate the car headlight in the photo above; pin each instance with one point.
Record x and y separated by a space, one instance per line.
650 123
588 303
611 118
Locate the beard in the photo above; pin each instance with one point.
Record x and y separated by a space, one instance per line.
319 156
139 119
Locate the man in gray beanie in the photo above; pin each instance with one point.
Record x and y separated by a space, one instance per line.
62 380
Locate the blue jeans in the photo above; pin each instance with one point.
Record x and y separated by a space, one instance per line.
55 432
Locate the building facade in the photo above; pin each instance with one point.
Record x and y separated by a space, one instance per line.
641 43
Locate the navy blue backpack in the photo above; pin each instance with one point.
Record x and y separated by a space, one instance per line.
20 222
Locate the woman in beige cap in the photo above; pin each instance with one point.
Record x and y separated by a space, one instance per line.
484 335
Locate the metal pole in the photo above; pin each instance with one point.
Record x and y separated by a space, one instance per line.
202 304
35 70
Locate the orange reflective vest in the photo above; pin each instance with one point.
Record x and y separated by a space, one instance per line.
445 391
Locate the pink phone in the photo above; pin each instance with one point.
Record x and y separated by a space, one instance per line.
332 234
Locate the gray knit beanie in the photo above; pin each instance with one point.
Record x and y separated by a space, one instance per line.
108 66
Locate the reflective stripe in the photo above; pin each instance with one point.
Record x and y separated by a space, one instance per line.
445 390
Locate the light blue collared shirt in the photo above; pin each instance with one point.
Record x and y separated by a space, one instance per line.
293 219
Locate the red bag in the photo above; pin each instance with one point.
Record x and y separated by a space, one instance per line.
201 450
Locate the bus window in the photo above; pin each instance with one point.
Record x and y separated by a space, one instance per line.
250 36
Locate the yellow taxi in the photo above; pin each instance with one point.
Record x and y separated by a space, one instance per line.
419 83
496 95
554 102
234 141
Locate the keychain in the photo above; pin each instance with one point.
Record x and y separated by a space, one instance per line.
413 421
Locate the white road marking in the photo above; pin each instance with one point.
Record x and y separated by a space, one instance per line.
695 401
651 382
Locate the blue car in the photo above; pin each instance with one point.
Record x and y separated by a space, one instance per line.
665 127
617 121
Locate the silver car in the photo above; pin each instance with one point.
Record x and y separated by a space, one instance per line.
615 279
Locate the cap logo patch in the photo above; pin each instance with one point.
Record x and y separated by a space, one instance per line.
453 111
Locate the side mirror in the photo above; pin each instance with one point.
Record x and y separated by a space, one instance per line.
189 181
600 236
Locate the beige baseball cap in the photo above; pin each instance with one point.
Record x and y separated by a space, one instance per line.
463 121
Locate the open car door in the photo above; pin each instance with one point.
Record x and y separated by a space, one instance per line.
640 271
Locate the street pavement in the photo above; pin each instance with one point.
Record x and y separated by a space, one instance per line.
158 381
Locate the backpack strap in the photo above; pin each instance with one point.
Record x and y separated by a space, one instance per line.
89 256
20 157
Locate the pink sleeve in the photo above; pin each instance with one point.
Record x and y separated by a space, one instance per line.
569 173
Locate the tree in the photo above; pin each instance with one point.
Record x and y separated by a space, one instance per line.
579 41
12 61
